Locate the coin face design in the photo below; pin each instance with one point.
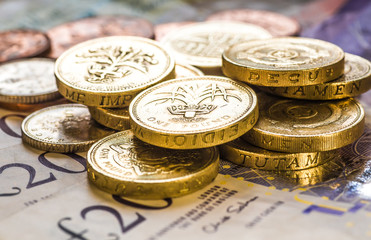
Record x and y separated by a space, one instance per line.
107 72
286 53
277 24
284 62
193 112
62 128
22 43
202 44
125 165
306 126
69 34
28 81
355 81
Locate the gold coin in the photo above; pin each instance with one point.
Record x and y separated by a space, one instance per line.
190 113
202 44
62 128
316 175
355 81
115 118
289 125
121 164
28 81
185 70
24 107
244 154
290 61
110 71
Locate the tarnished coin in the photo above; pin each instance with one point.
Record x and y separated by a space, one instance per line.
183 70
22 43
68 34
355 81
109 72
245 154
115 118
62 128
202 44
28 81
190 113
277 24
288 125
283 62
163 29
123 165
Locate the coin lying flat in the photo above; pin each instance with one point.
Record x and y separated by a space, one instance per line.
202 44
184 70
190 113
289 125
245 154
283 62
121 164
355 81
115 118
68 34
28 81
62 128
22 43
31 107
277 24
109 72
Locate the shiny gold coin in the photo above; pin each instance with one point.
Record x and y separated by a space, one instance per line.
283 62
62 128
115 118
24 107
28 81
355 81
245 154
190 113
202 44
316 175
184 70
110 71
121 164
288 125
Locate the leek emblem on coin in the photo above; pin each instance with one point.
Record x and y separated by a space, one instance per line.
193 112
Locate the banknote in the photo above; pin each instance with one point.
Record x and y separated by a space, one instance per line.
349 28
47 196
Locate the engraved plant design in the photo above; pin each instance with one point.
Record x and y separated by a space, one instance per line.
192 96
111 63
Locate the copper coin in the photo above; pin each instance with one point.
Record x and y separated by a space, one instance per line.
22 43
277 24
68 34
162 29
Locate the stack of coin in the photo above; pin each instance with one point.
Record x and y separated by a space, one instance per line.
297 134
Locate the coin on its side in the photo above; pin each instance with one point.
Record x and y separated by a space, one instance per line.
62 128
68 34
28 81
190 113
290 125
109 72
355 81
22 43
277 24
115 118
245 154
202 44
123 165
283 62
